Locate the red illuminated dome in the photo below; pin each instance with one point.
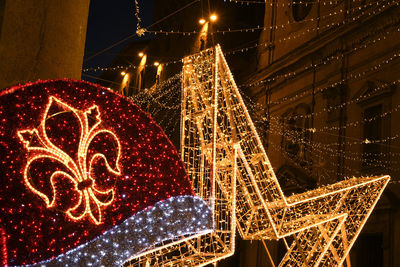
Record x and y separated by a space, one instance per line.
87 178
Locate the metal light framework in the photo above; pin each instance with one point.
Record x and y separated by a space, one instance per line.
219 145
211 167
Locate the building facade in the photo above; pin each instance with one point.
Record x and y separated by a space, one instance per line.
327 84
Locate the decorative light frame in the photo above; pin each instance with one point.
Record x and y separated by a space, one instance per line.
213 177
220 146
81 175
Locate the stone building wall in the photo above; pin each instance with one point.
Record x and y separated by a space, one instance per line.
41 39
329 87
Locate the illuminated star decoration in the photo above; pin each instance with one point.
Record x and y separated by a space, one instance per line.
79 167
220 146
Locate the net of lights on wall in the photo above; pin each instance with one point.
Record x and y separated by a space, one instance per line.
221 148
163 109
275 126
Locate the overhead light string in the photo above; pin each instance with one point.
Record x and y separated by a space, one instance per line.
139 30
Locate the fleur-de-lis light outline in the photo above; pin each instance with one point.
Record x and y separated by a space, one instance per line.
84 184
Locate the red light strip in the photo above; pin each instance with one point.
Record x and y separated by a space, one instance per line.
3 246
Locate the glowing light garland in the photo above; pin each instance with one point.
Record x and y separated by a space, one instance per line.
271 3
299 34
278 26
324 149
139 30
351 76
265 44
275 127
322 62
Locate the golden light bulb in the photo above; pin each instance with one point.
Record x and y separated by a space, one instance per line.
156 63
140 54
202 21
213 17
123 73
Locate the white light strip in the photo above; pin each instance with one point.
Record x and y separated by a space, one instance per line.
167 219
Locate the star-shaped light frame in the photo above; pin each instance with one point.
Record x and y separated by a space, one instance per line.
229 168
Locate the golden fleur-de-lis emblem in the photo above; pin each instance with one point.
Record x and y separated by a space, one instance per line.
58 161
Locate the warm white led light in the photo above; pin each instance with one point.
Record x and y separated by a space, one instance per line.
78 167
219 145
213 17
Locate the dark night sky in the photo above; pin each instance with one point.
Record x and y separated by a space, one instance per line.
110 22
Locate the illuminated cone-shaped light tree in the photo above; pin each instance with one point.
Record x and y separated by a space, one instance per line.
229 168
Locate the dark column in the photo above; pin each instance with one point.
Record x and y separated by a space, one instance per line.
42 39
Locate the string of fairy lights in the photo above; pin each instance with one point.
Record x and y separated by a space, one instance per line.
315 114
324 110
351 76
324 149
166 95
290 3
274 130
266 44
279 121
138 19
324 61
145 96
272 27
324 157
257 110
313 146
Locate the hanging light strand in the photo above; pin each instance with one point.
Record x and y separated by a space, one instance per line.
272 27
265 44
138 19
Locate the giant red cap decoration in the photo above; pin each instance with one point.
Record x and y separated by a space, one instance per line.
87 178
